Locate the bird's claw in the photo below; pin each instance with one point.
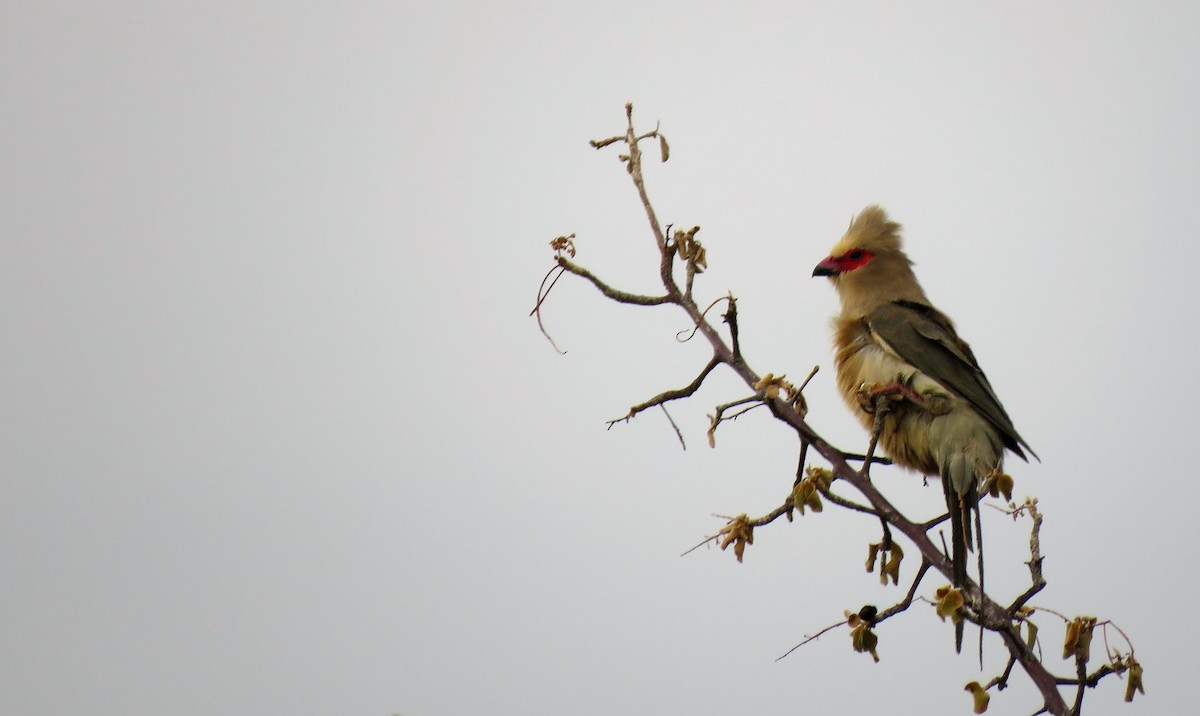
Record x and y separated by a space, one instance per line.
873 396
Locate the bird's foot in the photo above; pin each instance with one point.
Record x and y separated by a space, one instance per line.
874 396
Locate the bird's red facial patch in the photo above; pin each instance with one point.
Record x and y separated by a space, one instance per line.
835 265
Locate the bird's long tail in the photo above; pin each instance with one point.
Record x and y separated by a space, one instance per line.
959 507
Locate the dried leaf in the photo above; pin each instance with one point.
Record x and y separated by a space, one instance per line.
1071 642
892 567
980 696
739 532
862 638
1000 484
1133 681
872 553
1078 640
949 603
820 475
564 244
1085 638
664 148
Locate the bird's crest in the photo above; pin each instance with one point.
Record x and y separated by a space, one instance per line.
871 230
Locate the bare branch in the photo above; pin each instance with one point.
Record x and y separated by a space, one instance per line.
814 637
1035 555
690 334
672 421
905 603
669 395
840 501
615 294
543 292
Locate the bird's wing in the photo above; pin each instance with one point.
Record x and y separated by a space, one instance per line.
926 339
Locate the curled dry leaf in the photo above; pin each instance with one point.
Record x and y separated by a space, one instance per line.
772 386
739 532
862 638
891 568
872 553
1000 483
949 603
1078 640
980 696
564 245
1133 681
807 492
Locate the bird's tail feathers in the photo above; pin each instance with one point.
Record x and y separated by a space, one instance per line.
960 508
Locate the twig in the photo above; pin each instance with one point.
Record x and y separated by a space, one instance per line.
1081 672
881 408
696 327
756 522
811 374
1001 681
905 603
840 501
615 294
1038 582
730 318
543 292
669 395
814 637
860 457
672 421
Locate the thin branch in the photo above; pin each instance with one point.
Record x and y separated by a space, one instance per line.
691 334
1038 582
926 526
773 514
860 457
1107 623
756 522
672 421
1001 681
1092 679
840 501
615 294
668 395
880 410
730 318
543 292
719 416
1081 671
811 374
905 603
814 637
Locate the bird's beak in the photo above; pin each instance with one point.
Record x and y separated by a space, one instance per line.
826 268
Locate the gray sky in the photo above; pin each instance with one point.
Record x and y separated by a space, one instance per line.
279 437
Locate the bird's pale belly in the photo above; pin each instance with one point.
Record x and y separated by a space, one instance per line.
939 430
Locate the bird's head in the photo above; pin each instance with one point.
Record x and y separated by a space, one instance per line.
868 266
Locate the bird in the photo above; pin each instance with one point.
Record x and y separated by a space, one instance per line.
941 416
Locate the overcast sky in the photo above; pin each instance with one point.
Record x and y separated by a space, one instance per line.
280 438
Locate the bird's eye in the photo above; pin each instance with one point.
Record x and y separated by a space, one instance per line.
856 254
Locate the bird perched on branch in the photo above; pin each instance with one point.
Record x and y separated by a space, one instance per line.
898 354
